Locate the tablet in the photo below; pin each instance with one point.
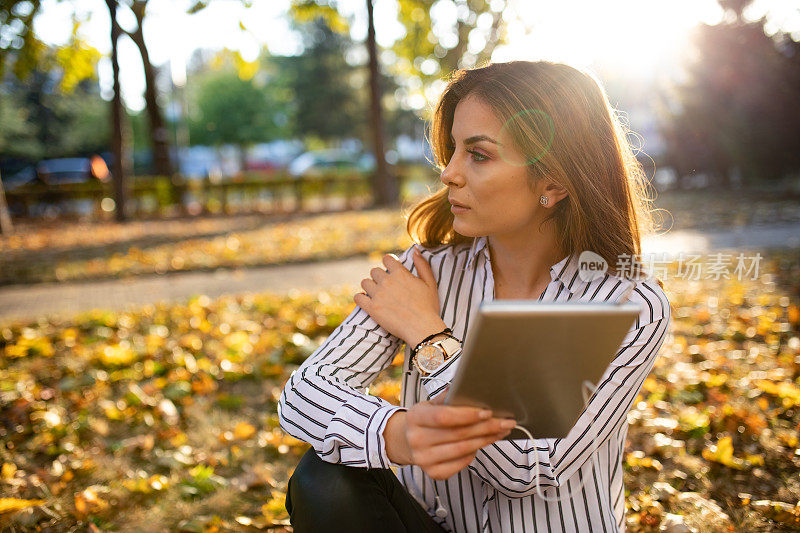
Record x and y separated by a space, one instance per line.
528 360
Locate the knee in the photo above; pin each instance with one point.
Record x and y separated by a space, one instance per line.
315 482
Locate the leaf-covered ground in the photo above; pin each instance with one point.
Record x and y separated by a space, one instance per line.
310 238
83 250
167 415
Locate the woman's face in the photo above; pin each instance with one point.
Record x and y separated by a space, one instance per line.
489 179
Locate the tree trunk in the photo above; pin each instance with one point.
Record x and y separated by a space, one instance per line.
384 186
5 218
159 136
117 140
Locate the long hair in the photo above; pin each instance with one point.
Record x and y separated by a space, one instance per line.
560 119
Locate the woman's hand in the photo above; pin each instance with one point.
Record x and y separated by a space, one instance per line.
441 439
403 304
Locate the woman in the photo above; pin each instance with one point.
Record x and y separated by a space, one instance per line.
536 169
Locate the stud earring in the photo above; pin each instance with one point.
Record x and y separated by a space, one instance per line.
543 200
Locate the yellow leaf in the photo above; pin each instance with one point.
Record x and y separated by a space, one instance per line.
8 470
786 390
116 355
243 431
638 459
8 505
275 508
722 453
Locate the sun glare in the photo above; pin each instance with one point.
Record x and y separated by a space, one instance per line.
636 37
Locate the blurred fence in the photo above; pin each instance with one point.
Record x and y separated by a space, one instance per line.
156 196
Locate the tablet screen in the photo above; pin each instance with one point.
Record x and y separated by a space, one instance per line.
528 360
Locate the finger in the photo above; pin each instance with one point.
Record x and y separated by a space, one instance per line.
452 452
438 416
369 286
377 273
361 300
445 470
392 263
435 436
424 268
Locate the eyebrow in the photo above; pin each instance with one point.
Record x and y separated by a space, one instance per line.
477 138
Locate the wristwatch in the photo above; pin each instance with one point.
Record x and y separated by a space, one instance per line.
429 355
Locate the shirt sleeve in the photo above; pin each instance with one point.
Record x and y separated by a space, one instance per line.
510 466
324 402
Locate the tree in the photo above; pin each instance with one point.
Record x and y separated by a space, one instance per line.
427 51
320 79
159 136
117 139
19 43
387 189
414 54
41 120
17 39
324 81
232 110
739 108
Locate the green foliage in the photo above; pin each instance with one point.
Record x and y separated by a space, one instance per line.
50 105
40 120
26 53
232 110
420 43
325 86
16 132
201 480
16 27
309 11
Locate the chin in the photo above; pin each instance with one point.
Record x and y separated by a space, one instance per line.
465 230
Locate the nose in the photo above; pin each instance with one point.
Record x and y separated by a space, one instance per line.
452 174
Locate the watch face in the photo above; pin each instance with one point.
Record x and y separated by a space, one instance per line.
429 358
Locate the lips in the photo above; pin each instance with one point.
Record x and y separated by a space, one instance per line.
458 204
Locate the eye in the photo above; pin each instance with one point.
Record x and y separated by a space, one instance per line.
476 156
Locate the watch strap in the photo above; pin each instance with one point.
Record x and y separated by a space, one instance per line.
450 346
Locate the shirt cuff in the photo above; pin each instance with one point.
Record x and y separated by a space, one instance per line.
375 449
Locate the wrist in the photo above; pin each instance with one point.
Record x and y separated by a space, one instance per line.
394 435
430 329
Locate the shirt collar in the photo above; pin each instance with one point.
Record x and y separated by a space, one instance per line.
565 270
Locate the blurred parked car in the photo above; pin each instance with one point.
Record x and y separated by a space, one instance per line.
319 162
261 165
200 163
72 170
52 173
58 171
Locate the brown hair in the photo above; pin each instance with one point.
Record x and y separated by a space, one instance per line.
573 137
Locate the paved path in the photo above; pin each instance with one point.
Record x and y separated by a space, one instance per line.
30 301
740 238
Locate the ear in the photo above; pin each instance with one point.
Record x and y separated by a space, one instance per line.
555 192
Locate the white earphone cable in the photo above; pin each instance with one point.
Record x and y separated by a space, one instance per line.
587 389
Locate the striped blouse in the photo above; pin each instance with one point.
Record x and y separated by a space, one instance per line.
325 402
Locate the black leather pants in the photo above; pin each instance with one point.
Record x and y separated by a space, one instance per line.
328 497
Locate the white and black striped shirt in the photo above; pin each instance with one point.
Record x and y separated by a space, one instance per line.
325 403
